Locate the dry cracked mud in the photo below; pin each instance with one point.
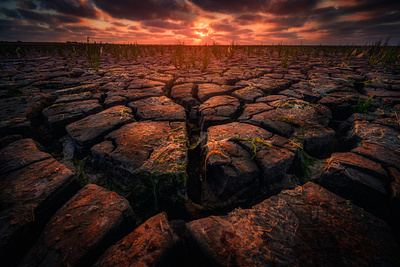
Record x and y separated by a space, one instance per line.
244 163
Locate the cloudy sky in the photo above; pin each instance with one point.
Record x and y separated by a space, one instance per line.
202 21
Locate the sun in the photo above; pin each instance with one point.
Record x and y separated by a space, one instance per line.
201 33
202 29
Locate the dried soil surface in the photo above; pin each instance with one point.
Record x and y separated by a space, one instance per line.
244 163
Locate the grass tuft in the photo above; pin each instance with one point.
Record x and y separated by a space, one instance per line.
82 178
362 107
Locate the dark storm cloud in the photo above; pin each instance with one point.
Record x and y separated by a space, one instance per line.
78 28
288 21
340 29
246 31
223 27
326 14
344 24
4 24
279 35
119 24
111 29
381 19
365 29
280 7
10 13
156 30
231 6
59 29
61 12
250 17
375 9
392 29
287 7
70 7
142 10
47 18
134 28
26 4
10 28
373 5
13 31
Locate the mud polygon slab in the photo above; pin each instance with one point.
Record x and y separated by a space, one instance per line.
158 109
208 90
92 128
145 246
298 227
79 232
62 114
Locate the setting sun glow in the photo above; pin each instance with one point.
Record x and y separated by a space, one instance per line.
201 34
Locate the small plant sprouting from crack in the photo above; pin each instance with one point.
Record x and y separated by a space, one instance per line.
349 205
303 163
178 57
163 186
362 107
205 60
13 92
126 112
230 52
82 178
92 53
217 50
152 182
192 59
59 105
306 161
285 60
112 186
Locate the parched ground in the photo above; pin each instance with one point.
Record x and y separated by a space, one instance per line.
248 162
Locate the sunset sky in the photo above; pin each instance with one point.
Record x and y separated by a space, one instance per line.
202 21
